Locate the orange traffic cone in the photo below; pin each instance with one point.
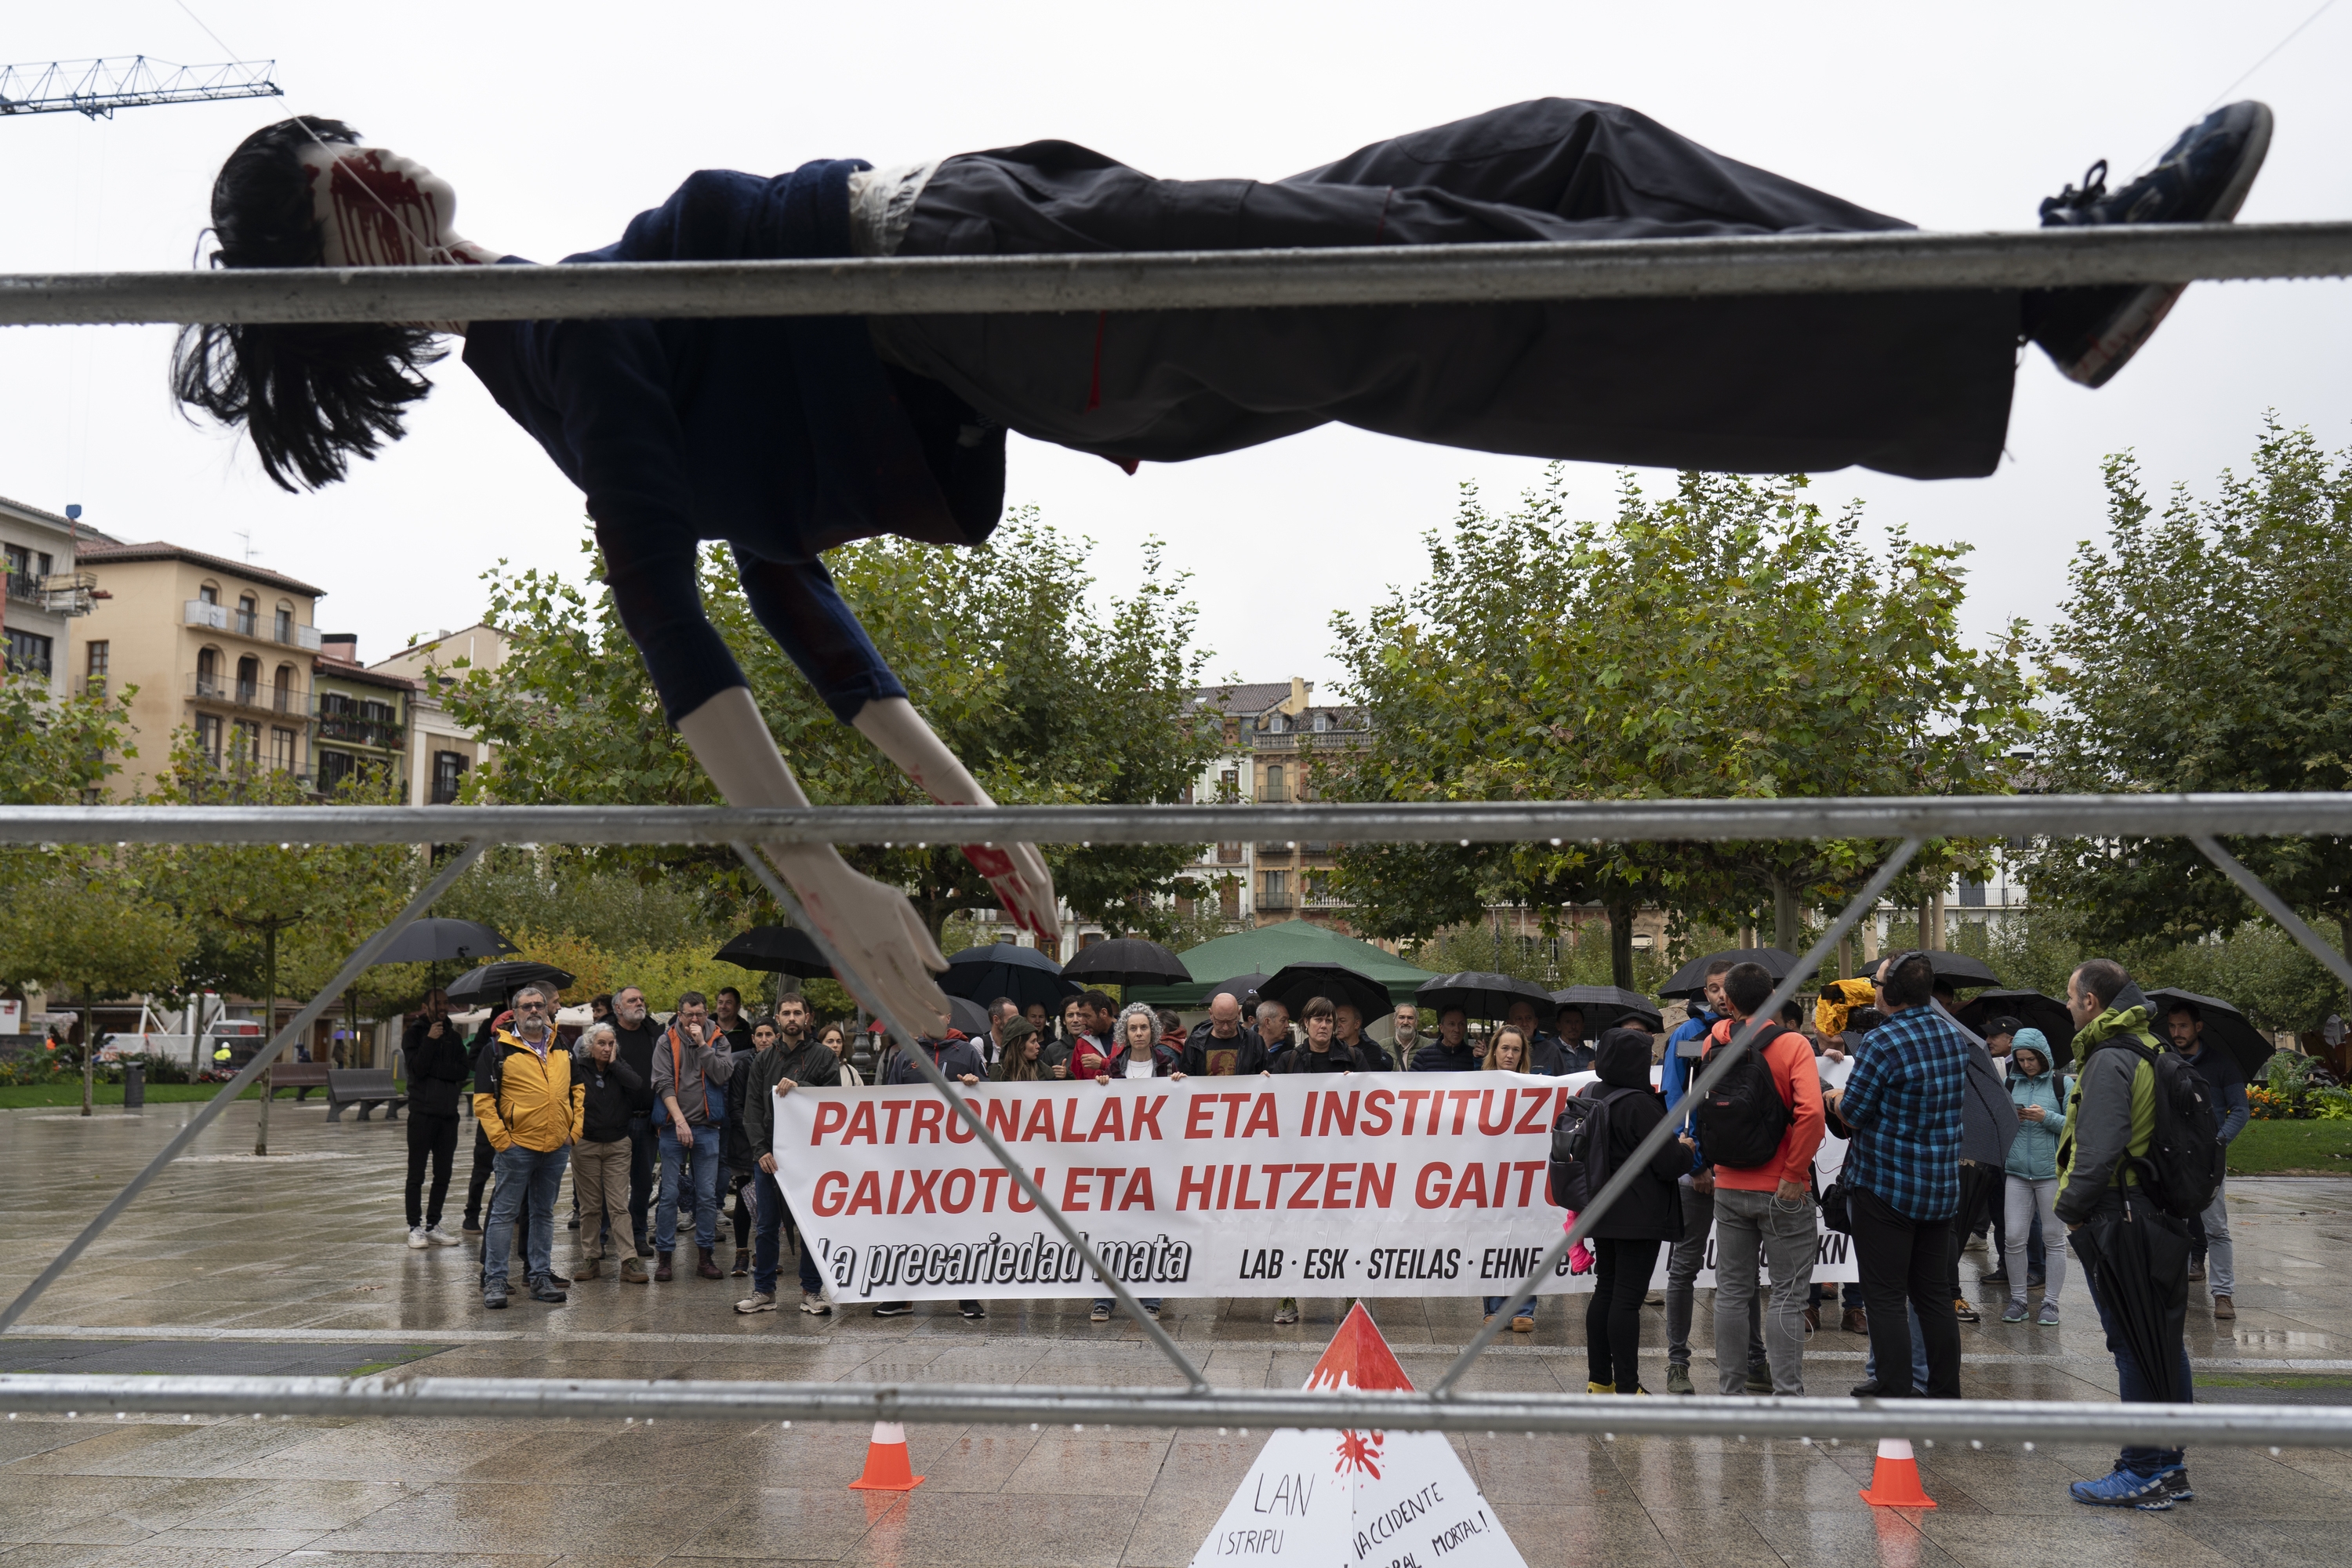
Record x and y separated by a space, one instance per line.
887 1469
1894 1482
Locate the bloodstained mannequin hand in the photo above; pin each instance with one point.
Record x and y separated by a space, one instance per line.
377 208
1016 871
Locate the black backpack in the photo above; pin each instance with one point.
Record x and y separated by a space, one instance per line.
2186 1157
1743 1117
1580 1150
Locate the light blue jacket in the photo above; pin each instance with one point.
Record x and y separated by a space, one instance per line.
2034 1155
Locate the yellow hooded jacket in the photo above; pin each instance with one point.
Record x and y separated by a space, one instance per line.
535 1104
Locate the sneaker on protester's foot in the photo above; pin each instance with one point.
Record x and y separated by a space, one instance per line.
1976 1243
472 1225
757 1302
2175 1483
979 1313
2125 1489
495 1300
1287 1310
2092 332
2048 1316
1524 1324
1759 1377
416 1238
1152 1308
2015 1312
547 1290
814 1304
2195 1270
1101 1314
1677 1379
436 1237
894 1310
1964 1311
2224 1309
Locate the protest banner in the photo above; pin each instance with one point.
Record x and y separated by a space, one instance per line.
1340 1185
1371 1500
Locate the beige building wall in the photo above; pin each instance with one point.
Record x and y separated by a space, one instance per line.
210 644
442 751
39 600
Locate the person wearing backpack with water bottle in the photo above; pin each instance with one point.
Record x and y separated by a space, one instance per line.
2141 1156
1759 1127
1596 1132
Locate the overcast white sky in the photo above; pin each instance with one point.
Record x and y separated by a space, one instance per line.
558 122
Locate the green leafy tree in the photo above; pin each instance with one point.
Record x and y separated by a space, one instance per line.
59 750
1049 690
1729 641
80 919
2205 648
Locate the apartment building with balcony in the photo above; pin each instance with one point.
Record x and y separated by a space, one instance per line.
43 596
223 648
1277 737
359 718
441 751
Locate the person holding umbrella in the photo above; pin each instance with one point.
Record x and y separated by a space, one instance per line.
436 1064
2184 1021
2136 1257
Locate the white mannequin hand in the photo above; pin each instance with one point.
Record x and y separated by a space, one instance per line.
1016 871
874 929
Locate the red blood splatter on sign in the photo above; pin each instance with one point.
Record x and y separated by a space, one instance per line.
1360 1451
1358 1358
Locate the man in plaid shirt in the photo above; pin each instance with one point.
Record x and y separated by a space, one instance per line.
1902 1109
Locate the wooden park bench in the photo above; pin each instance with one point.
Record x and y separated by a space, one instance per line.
366 1087
299 1076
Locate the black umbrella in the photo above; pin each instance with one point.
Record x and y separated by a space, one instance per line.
1606 1004
496 981
438 940
1241 985
1480 994
785 949
2031 1008
1008 969
1294 985
1690 980
967 1015
2224 1026
1127 960
1958 969
2126 1259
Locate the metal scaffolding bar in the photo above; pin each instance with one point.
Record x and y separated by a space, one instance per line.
1190 280
2254 887
1500 822
1864 1420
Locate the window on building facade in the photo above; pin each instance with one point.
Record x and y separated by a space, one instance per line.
284 694
28 653
209 594
281 750
248 678
334 767
244 743
208 736
208 672
285 627
448 776
1278 886
100 652
1229 900
1228 854
1272 789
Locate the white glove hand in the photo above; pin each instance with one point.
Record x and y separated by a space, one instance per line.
1023 886
874 929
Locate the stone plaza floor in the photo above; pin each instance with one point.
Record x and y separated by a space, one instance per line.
299 1264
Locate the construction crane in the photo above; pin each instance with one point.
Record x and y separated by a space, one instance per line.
98 87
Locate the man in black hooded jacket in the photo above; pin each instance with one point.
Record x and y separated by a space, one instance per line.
437 1063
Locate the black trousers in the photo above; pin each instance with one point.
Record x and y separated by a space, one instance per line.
1613 1322
1902 1259
1913 384
1981 1188
479 1178
433 1137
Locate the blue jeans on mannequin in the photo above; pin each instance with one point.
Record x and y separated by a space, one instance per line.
700 1161
522 1172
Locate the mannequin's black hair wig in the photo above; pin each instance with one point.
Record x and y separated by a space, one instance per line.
309 395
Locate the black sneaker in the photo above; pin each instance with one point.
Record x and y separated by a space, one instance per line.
495 1303
2176 1484
545 1290
975 1311
894 1310
2203 177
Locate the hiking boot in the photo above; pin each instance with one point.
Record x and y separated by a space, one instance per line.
742 1262
434 1235
633 1270
709 1266
1524 1324
2125 1489
589 1270
815 1305
495 1300
2224 1309
1855 1322
1964 1311
416 1238
2196 1269
2015 1312
2048 1316
1101 1314
2091 333
1759 1377
757 1302
662 1271
1677 1379
556 1280
545 1290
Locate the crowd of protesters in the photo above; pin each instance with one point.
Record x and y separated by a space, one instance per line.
662 1123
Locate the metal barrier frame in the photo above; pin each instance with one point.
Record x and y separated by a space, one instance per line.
1443 1406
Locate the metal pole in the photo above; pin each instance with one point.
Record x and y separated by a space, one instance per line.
1396 275
469 1398
799 917
1664 1131
2254 887
213 1108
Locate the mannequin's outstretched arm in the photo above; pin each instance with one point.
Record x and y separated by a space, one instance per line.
1016 871
873 927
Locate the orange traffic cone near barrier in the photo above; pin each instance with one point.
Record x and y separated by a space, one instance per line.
887 1469
1894 1482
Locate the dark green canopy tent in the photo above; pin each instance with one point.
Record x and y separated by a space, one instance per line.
1267 949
